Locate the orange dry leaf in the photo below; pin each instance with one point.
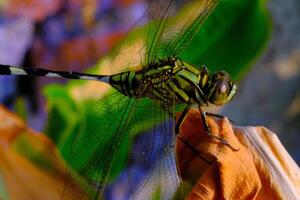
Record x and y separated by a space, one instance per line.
260 169
30 166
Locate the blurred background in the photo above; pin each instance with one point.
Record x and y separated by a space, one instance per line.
58 35
76 34
269 94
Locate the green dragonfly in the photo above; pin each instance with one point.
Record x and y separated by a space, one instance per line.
147 76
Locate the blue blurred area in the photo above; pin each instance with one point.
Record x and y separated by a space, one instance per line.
146 160
15 39
8 90
54 32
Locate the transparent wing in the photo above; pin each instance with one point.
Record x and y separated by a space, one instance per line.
137 49
96 148
150 152
157 28
156 153
161 180
151 164
182 27
170 27
183 20
100 151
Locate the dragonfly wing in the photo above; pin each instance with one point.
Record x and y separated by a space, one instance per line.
95 150
151 167
182 27
138 49
161 180
157 153
101 150
156 28
170 26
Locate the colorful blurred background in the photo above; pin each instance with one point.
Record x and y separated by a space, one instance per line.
263 49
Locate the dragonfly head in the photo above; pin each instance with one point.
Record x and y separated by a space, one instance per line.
221 88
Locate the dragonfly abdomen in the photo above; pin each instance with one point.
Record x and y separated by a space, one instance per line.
12 70
127 83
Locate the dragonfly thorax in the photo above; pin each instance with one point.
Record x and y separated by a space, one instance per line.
175 82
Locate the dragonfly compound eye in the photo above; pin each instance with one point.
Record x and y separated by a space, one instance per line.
222 89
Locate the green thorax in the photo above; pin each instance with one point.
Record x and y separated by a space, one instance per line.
170 82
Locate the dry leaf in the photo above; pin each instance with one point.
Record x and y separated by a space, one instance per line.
260 169
30 165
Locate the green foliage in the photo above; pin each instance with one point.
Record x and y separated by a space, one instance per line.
20 107
183 190
63 116
232 37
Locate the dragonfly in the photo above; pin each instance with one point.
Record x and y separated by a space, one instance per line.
147 76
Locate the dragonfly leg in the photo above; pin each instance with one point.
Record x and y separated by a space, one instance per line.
217 115
192 148
182 118
209 133
177 129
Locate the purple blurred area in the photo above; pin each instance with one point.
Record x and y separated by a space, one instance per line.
15 38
